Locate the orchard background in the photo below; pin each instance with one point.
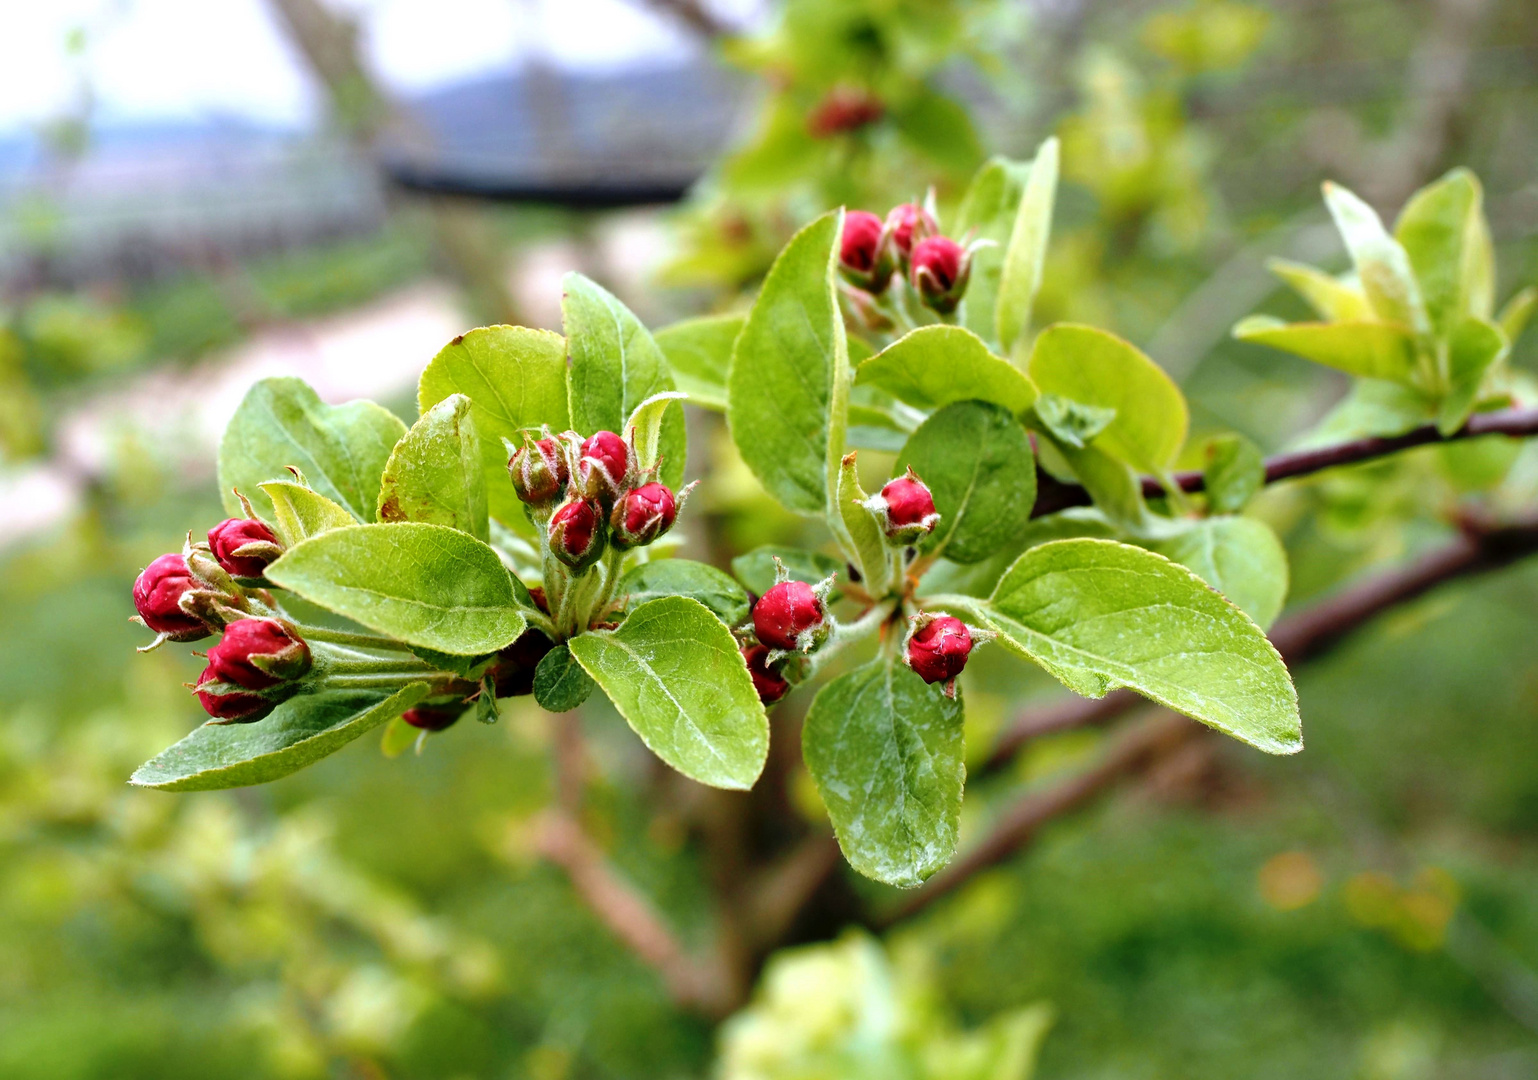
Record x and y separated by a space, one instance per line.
349 187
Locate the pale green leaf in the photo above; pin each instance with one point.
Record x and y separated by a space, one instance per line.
935 365
1027 252
1371 407
435 473
1370 350
674 672
1240 557
1334 299
1072 423
699 353
1518 310
988 212
683 577
300 513
1381 262
1443 231
976 459
887 754
652 424
789 381
1473 348
299 732
426 585
1235 472
872 557
282 423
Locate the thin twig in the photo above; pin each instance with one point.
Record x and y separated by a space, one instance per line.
694 15
1054 495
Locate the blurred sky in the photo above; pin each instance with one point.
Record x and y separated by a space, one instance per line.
182 59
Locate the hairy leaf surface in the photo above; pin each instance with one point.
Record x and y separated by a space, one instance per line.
435 473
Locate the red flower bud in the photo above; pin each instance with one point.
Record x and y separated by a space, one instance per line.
157 597
576 533
908 224
941 269
938 647
243 547
642 515
906 508
790 616
770 684
538 469
604 467
258 653
864 258
845 108
433 717
513 672
231 708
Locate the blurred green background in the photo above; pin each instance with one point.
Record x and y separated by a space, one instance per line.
1368 909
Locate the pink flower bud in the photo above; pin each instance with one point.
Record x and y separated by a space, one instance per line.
576 533
844 109
604 467
538 469
864 258
642 515
770 684
243 547
908 224
234 707
433 717
258 653
938 647
790 616
157 597
906 508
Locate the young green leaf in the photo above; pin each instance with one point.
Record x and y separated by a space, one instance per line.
1239 557
1098 615
1096 368
650 422
423 584
788 386
1026 253
755 569
435 473
1334 299
1235 472
517 379
1513 317
976 459
1381 263
887 754
684 577
1473 348
300 513
1072 423
1370 350
1443 231
1371 407
699 353
870 554
299 732
1115 489
560 683
988 212
673 671
936 365
341 449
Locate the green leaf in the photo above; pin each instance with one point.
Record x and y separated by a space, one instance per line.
988 213
1239 557
1473 348
435 473
1027 252
1235 472
787 391
300 513
1334 299
870 553
1513 317
1381 263
1370 350
1370 407
341 449
935 365
674 673
560 683
684 577
1114 488
1070 422
1443 231
299 732
976 459
1095 368
887 754
939 128
423 584
517 379
1098 615
699 353
655 421
756 568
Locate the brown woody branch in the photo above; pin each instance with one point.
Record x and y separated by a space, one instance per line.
1481 546
694 15
1053 495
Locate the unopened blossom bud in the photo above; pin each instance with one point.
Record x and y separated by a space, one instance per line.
433 717
769 683
864 256
230 706
909 224
844 109
258 653
538 469
604 466
642 515
576 533
905 507
243 547
791 616
158 593
941 269
938 646
513 672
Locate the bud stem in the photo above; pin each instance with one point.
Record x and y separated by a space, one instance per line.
846 634
343 637
378 667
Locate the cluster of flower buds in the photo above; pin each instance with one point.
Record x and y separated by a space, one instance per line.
592 492
189 595
790 619
252 668
937 647
907 241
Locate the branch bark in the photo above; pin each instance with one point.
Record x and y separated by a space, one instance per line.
694 15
